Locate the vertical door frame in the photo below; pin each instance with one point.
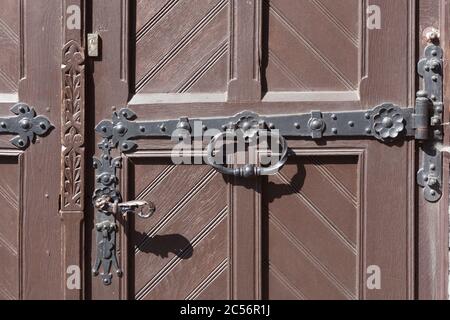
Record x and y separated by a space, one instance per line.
72 195
431 227
40 37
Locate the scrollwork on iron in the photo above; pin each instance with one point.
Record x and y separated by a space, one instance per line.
118 130
106 192
106 251
26 125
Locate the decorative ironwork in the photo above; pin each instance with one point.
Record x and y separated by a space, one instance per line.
108 202
429 176
106 191
26 125
388 122
122 130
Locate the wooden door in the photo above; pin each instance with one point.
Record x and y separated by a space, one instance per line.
30 228
340 209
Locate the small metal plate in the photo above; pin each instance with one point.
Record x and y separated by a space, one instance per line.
93 44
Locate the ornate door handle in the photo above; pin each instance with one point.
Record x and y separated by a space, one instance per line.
108 210
249 170
143 209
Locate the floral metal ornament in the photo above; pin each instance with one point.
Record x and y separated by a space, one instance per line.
388 122
249 124
26 125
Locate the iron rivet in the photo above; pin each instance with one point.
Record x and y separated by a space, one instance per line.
142 128
368 131
162 128
21 143
47 109
271 126
387 122
25 124
43 126
334 130
351 123
435 65
434 53
439 110
125 114
367 115
124 146
433 97
204 127
334 117
316 124
434 78
437 132
433 193
297 125
3 125
224 127
433 167
121 129
427 68
22 109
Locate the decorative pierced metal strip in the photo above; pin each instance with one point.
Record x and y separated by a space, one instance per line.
386 122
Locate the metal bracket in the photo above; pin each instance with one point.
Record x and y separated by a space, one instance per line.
430 101
26 125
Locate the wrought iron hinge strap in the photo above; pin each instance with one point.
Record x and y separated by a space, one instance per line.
26 125
430 68
385 122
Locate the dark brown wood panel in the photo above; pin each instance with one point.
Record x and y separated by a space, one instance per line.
30 254
319 231
182 46
182 251
301 39
10 40
11 237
